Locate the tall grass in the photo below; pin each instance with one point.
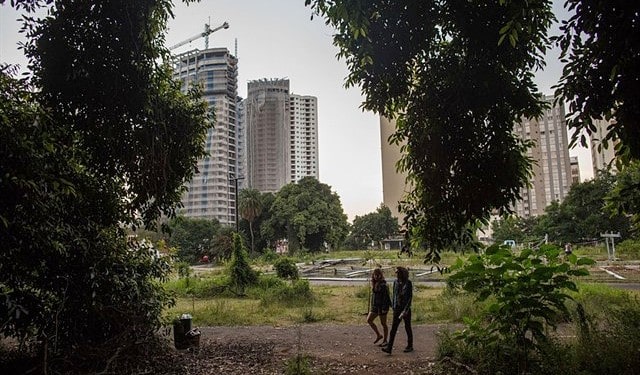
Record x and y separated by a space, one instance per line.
446 306
609 343
602 338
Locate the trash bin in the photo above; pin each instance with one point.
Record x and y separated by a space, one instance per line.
193 338
184 336
185 319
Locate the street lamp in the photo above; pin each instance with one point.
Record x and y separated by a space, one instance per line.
235 180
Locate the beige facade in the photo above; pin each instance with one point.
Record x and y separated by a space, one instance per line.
282 135
575 170
552 168
211 193
602 158
394 184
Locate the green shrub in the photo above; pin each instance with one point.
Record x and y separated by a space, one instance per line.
267 282
609 343
298 365
200 287
596 298
297 294
286 268
363 292
452 306
183 269
269 256
628 249
480 351
309 316
528 294
241 273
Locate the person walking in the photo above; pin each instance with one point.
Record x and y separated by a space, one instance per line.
401 304
379 305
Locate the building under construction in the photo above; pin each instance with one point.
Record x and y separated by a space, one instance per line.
212 193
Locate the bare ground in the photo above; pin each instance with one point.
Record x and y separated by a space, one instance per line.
330 349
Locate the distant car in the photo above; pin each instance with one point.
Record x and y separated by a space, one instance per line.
511 243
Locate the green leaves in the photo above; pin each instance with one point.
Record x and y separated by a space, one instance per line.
526 288
582 215
438 70
119 102
601 54
624 197
242 275
308 214
374 226
99 139
194 238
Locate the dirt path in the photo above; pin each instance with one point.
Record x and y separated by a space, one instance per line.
332 349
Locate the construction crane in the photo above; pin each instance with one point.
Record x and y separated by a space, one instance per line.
207 31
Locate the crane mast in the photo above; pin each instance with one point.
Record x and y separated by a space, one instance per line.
205 34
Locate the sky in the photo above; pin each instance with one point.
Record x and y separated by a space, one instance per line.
277 39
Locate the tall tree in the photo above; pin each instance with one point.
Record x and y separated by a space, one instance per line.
601 78
240 272
193 237
506 228
582 215
100 137
308 214
374 226
455 76
624 198
120 103
250 208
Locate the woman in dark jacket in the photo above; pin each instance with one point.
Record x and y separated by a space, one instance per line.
401 303
380 303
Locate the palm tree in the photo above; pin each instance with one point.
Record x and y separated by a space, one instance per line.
250 207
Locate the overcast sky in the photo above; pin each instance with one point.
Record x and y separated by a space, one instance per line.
277 39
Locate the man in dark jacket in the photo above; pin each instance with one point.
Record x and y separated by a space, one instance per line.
401 303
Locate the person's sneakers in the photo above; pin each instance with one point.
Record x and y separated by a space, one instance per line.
384 343
386 349
408 349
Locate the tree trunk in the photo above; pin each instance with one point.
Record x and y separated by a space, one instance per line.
252 238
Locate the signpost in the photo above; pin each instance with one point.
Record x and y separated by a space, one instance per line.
611 250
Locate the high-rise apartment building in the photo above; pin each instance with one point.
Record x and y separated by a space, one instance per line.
602 158
211 194
241 138
575 170
282 135
303 136
552 167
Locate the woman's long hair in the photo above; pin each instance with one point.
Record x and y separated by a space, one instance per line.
403 274
376 277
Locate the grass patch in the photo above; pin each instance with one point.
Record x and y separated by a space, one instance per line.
597 299
298 365
446 306
603 339
297 293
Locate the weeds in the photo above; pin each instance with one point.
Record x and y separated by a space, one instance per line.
301 363
608 342
309 316
295 294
